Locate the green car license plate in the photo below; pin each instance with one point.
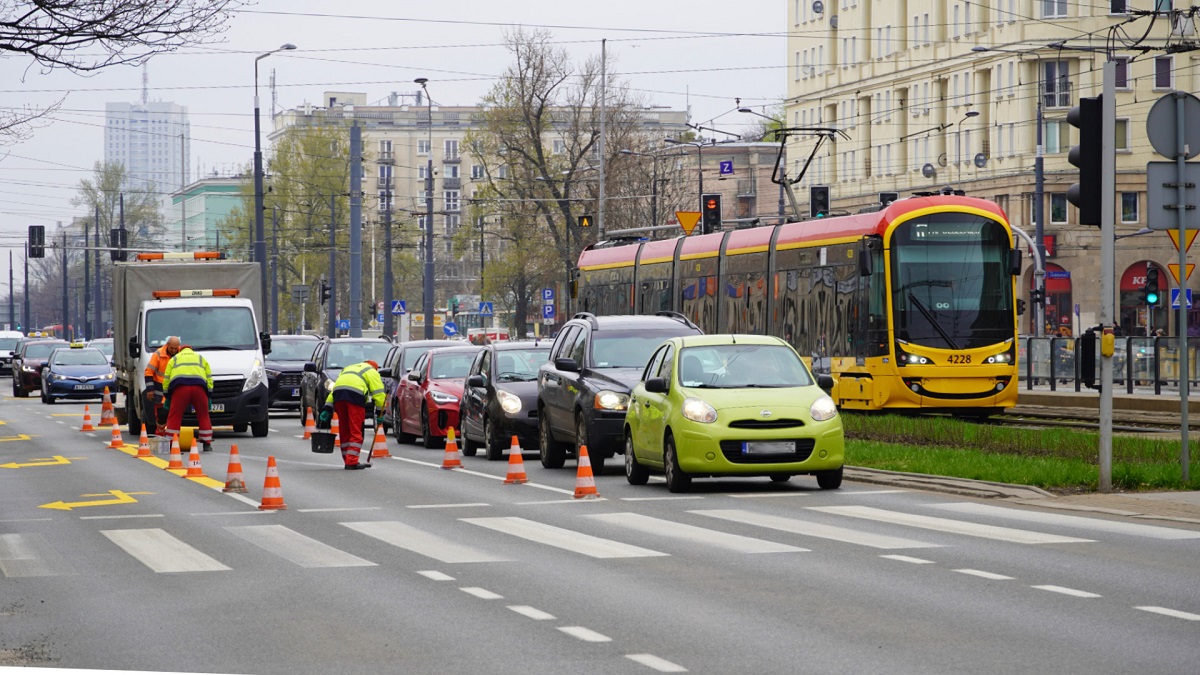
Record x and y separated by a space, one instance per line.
216 407
768 448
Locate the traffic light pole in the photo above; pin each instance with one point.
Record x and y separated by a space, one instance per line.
1108 245
1181 324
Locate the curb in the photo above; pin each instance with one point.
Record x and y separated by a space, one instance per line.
962 486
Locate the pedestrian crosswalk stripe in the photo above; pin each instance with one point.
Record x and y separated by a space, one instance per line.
947 525
569 540
1081 522
672 530
297 548
811 529
423 543
161 552
30 555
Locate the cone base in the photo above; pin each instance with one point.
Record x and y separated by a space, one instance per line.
235 486
511 481
272 507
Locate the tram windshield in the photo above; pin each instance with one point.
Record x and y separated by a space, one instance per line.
951 286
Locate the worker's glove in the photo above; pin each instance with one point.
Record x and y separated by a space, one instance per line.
166 404
325 417
379 421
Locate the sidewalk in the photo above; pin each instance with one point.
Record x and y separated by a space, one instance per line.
1178 507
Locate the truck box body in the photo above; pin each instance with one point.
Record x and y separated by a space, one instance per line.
222 329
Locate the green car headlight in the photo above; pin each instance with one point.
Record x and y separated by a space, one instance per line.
510 403
611 400
698 411
823 409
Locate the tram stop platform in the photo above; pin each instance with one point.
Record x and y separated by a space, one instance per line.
1166 403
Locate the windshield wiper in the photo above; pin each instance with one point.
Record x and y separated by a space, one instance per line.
216 348
932 320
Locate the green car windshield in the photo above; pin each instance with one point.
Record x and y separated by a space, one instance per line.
743 366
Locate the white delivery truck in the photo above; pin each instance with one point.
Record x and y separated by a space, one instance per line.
213 306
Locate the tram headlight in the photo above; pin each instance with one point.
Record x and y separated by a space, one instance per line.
1003 357
906 359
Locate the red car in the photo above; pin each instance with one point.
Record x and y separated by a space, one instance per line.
429 395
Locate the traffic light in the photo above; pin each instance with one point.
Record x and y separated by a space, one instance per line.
818 201
37 241
453 307
117 241
1088 117
886 198
324 291
585 221
1020 306
710 213
1150 291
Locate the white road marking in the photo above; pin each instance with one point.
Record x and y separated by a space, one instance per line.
531 612
1171 612
128 515
30 555
563 501
652 661
672 530
567 540
947 525
446 506
436 575
767 494
297 548
26 520
469 472
810 529
1097 524
481 593
871 492
418 541
162 552
986 575
908 559
585 634
334 510
659 499
1067 591
233 513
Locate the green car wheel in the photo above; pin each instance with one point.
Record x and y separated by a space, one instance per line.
677 480
635 473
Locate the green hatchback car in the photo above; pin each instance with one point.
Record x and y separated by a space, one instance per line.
731 405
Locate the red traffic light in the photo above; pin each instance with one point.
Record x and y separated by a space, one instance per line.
711 203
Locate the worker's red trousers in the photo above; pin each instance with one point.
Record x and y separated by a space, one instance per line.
190 396
350 430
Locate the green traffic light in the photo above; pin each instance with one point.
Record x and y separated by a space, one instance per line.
1152 298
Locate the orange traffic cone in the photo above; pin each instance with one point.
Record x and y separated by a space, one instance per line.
176 454
516 465
272 498
87 420
194 470
585 483
117 442
107 417
310 425
233 475
451 459
379 449
144 444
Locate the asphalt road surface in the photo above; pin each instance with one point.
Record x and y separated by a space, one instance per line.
111 562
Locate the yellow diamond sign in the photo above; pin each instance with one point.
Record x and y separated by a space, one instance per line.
688 220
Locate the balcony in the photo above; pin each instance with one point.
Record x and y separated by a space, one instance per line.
386 158
452 159
747 187
449 183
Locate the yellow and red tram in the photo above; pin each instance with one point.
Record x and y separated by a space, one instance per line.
908 307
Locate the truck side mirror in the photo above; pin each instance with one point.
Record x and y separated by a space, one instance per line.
134 351
265 338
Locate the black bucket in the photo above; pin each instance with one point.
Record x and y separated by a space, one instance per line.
322 441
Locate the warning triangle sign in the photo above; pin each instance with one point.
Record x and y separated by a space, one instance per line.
1191 236
688 220
1175 271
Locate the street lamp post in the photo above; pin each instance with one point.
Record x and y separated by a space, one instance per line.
958 141
699 166
260 237
427 286
654 180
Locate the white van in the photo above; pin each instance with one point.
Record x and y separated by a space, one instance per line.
8 341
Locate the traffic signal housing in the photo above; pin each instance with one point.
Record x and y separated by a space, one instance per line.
1088 117
818 201
324 291
117 241
1020 306
585 221
710 213
37 241
1150 291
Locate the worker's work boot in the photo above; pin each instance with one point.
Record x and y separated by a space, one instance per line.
206 447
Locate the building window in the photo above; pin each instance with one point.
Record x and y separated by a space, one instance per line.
1162 72
1057 82
385 149
451 148
385 200
451 224
422 147
451 200
1057 136
476 172
451 171
385 172
560 147
1052 9
422 222
1058 207
1129 207
1122 68
1121 134
422 171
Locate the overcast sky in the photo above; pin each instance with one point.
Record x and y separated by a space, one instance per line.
678 54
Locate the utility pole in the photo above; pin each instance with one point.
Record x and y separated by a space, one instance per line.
600 145
12 317
1039 214
25 321
275 269
332 330
66 299
96 287
355 309
1108 244
87 281
389 319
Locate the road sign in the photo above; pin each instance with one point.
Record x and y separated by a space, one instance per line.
379 306
1191 237
548 312
379 318
343 324
299 293
726 167
485 308
1175 298
450 328
688 220
397 307
548 295
1162 196
1161 127
1174 267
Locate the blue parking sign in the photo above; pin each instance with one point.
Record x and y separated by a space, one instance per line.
548 294
547 311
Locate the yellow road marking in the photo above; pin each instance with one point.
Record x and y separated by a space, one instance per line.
118 497
18 437
56 460
132 451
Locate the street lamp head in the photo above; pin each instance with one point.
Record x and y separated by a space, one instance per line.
287 46
972 113
981 48
745 110
421 81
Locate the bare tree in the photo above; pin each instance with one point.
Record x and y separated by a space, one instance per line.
88 35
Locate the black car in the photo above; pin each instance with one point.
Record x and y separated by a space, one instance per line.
327 362
500 399
583 391
285 366
28 361
398 362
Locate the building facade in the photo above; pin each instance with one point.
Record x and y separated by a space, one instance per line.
940 92
153 141
191 214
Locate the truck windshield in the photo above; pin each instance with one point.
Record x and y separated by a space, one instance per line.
202 328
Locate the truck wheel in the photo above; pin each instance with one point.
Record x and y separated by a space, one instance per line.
259 429
241 428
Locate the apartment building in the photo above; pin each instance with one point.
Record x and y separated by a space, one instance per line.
935 93
152 139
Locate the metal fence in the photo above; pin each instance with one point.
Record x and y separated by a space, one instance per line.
1138 362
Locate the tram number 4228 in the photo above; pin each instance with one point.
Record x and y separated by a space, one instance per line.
960 358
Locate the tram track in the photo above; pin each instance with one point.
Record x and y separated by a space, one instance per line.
1048 417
